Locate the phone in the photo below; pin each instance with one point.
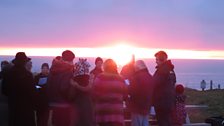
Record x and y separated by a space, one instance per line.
127 82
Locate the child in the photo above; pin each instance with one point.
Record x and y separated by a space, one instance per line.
180 110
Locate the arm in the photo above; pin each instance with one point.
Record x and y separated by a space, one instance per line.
76 85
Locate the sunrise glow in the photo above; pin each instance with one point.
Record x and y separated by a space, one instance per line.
122 53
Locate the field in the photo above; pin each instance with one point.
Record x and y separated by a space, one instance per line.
214 99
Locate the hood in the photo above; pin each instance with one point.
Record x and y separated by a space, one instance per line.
60 66
165 67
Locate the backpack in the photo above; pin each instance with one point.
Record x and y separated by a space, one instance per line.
215 121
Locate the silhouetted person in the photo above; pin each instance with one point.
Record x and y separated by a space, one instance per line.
83 102
140 91
164 90
58 86
109 89
42 109
3 66
203 85
98 68
21 93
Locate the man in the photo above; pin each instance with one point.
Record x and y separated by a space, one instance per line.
164 91
20 89
58 86
93 74
98 68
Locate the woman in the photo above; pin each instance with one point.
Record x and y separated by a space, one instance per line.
42 110
109 89
82 99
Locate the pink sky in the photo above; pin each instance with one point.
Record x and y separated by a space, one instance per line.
146 24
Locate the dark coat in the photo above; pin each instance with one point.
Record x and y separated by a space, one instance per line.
164 90
42 100
83 102
140 91
58 84
20 89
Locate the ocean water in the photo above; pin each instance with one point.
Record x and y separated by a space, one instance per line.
189 72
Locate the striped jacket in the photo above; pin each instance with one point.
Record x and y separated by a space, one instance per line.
109 91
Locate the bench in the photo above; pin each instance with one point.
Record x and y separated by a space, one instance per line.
197 124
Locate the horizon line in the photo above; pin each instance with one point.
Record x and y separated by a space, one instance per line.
121 51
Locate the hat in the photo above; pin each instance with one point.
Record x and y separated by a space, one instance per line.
68 55
21 57
81 67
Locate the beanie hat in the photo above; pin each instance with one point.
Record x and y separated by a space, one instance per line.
179 89
68 55
81 67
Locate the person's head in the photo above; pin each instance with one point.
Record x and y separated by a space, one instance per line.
161 57
29 65
21 59
139 65
109 66
99 62
179 89
45 68
3 64
68 56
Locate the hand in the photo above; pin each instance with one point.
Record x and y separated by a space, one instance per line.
73 83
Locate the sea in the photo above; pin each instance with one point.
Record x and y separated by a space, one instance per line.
189 72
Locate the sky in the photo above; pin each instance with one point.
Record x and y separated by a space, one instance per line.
195 25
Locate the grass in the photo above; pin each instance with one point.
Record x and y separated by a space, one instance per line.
213 98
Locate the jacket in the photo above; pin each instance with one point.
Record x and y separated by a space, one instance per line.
140 91
58 83
164 90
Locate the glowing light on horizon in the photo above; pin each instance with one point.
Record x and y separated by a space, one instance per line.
122 54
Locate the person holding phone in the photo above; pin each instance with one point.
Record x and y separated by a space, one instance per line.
42 109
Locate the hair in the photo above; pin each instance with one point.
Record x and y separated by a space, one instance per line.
98 59
140 64
161 55
44 65
110 66
68 55
5 62
179 89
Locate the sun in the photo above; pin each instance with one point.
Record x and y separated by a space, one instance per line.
122 53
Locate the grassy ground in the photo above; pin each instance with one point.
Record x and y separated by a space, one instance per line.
213 98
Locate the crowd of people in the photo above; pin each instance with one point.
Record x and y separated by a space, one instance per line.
69 94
